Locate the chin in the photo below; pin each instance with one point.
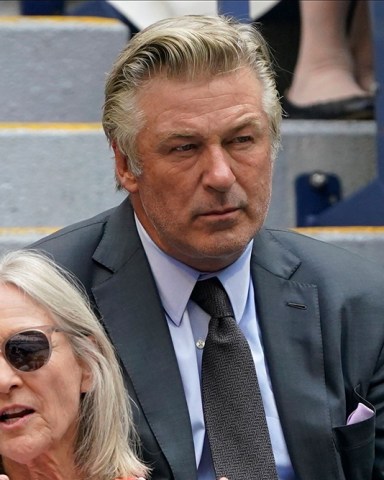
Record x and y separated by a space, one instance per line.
23 452
230 245
211 258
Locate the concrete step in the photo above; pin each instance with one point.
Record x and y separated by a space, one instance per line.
367 242
53 68
76 160
9 7
345 148
13 238
54 174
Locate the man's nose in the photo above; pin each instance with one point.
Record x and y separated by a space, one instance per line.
9 377
218 173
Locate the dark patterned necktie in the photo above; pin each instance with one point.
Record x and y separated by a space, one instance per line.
233 408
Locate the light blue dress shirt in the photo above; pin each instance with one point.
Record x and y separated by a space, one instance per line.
188 325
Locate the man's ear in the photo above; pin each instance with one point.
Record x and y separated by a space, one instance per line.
124 176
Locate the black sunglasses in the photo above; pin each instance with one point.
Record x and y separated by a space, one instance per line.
29 350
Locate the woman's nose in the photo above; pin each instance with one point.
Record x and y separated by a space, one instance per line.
9 377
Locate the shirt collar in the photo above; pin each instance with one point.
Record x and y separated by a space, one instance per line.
175 280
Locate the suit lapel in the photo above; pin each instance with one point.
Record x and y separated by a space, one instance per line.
129 304
288 314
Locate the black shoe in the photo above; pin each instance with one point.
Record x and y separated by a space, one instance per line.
352 108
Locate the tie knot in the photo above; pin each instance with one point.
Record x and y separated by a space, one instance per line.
211 296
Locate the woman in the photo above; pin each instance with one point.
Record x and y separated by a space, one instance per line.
334 74
63 407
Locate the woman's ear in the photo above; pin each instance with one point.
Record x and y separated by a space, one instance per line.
86 378
123 175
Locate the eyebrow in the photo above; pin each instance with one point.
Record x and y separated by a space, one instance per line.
179 134
254 122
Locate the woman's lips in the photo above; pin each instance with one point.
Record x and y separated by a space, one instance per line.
13 415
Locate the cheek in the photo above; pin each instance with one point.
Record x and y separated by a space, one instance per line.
167 198
261 170
65 392
63 417
256 182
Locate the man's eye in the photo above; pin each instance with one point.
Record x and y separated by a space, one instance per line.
242 139
185 148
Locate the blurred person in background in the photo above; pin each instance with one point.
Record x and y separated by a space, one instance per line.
334 76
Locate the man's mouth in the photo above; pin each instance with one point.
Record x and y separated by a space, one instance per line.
226 211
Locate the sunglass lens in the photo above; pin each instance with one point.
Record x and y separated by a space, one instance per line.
28 351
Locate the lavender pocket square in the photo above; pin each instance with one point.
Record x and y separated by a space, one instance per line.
361 413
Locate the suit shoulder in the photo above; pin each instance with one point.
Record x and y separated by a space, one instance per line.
330 258
75 242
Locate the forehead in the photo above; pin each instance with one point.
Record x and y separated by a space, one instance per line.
177 103
18 310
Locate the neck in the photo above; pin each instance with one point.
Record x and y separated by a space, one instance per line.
42 468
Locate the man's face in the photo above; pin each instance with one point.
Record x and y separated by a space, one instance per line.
206 167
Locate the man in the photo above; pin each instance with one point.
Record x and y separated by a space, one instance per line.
193 117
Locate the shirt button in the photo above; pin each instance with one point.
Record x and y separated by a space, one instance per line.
200 344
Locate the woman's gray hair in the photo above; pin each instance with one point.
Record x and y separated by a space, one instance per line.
187 47
106 442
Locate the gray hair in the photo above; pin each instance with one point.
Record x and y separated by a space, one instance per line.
186 47
105 446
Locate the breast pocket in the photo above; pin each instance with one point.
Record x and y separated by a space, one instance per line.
356 445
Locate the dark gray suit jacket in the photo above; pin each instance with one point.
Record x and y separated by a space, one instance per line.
321 313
